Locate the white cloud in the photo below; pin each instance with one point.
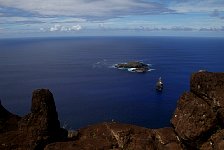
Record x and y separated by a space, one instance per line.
76 27
42 29
195 6
97 8
58 27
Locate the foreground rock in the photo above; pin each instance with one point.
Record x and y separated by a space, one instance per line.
199 116
210 87
197 123
40 130
193 119
121 136
134 66
36 129
8 121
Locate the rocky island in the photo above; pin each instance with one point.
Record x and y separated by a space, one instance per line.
197 123
134 66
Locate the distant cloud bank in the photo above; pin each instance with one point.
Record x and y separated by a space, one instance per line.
58 27
85 8
63 16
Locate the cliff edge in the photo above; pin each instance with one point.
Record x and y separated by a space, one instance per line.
197 123
35 130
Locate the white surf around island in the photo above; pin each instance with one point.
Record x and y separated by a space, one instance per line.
132 69
103 63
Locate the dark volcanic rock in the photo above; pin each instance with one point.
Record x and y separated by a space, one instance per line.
43 116
198 123
220 116
8 121
135 65
38 128
109 136
209 86
200 113
193 118
166 139
121 136
215 142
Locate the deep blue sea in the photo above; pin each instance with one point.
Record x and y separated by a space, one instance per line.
88 90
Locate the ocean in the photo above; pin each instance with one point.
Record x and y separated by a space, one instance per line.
87 88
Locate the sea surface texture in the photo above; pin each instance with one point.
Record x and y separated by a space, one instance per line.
88 89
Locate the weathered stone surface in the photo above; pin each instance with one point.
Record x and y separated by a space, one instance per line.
110 136
166 139
43 116
220 116
38 128
215 142
73 134
209 86
121 136
132 137
193 118
198 123
200 112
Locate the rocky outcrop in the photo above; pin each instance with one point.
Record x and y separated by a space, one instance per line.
38 128
133 66
200 112
121 136
193 118
209 86
166 139
197 123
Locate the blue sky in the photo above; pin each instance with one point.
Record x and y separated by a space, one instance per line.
111 17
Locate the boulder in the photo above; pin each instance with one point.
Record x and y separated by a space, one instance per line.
200 112
209 86
193 118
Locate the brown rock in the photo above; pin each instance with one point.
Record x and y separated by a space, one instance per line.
198 122
110 136
220 117
166 139
209 86
43 116
38 128
215 142
192 118
132 137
